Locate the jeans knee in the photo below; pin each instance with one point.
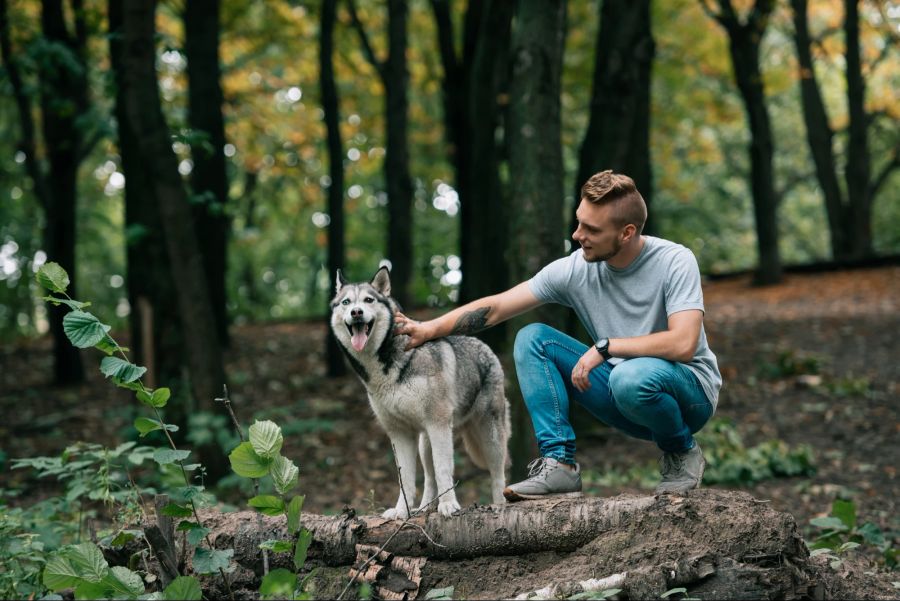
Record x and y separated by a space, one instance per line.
529 338
629 384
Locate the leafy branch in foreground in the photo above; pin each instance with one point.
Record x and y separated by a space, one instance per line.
82 566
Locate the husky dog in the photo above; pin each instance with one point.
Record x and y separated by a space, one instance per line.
423 395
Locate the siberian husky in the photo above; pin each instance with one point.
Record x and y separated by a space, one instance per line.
424 395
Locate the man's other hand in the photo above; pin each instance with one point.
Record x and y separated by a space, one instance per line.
582 370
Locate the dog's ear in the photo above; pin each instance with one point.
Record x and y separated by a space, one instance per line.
382 281
341 281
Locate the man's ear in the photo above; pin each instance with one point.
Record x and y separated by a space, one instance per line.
382 281
629 232
340 281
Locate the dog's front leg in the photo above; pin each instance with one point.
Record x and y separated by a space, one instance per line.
441 438
430 491
404 444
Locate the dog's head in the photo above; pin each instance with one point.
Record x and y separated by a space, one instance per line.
364 311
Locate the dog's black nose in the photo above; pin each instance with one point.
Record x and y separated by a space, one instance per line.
356 312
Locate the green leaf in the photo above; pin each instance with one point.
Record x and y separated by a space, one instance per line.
109 346
183 587
267 504
72 304
293 514
277 546
176 511
52 277
167 456
848 545
673 591
266 438
145 425
88 560
440 593
821 551
304 539
845 511
245 462
92 590
195 535
209 562
829 522
284 474
278 584
59 573
121 369
160 397
83 329
123 583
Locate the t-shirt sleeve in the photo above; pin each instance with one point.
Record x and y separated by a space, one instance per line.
551 284
683 289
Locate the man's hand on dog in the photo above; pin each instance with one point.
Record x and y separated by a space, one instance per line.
582 370
416 330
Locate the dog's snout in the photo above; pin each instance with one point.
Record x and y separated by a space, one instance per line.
356 312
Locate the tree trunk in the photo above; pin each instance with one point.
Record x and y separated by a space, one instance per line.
473 101
618 133
151 291
399 182
145 114
744 40
820 136
335 210
718 544
208 178
858 166
536 169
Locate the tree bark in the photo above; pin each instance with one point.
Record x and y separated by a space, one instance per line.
335 209
149 281
618 133
820 136
744 40
474 99
718 544
209 179
145 115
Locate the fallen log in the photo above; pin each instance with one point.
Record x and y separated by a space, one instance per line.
717 544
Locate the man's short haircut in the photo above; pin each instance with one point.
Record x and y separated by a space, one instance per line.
619 190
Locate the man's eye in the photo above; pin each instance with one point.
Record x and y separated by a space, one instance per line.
346 301
369 299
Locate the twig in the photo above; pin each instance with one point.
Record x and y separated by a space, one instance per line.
400 477
410 516
237 426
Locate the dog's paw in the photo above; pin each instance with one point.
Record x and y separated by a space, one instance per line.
448 508
395 514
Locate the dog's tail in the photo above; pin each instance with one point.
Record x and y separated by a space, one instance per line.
475 448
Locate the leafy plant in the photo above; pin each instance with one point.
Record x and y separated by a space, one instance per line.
730 462
790 363
839 533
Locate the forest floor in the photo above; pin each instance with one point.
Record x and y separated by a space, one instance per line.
812 361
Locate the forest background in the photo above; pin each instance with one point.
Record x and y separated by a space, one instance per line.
199 167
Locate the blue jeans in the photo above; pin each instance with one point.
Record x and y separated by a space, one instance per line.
647 398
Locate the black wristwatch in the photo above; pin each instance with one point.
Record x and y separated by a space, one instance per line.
602 347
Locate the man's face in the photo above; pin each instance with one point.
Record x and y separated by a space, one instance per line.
599 237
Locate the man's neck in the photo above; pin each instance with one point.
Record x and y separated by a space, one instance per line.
628 253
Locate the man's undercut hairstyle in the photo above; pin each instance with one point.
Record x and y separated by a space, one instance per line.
618 190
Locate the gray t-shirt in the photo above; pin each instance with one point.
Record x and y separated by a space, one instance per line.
623 303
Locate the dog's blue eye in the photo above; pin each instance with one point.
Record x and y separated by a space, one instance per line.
346 301
369 299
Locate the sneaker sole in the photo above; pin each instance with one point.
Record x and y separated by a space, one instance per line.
513 496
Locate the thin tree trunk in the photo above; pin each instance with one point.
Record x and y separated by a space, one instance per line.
335 210
618 133
149 281
820 136
208 178
145 114
744 40
536 168
858 164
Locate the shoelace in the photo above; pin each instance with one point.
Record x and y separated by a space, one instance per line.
536 467
672 462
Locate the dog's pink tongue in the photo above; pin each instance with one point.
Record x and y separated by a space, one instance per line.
359 338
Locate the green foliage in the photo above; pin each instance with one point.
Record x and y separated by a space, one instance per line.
728 461
839 532
183 587
790 363
440 593
83 568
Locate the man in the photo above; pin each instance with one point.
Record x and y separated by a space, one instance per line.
649 373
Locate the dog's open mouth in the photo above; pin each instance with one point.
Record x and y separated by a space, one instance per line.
359 333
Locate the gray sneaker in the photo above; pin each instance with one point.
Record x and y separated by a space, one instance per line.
547 477
681 472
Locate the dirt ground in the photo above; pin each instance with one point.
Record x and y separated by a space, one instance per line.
846 322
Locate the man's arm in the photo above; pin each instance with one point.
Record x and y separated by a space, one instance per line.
473 317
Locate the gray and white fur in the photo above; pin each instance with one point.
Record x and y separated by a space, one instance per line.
424 395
